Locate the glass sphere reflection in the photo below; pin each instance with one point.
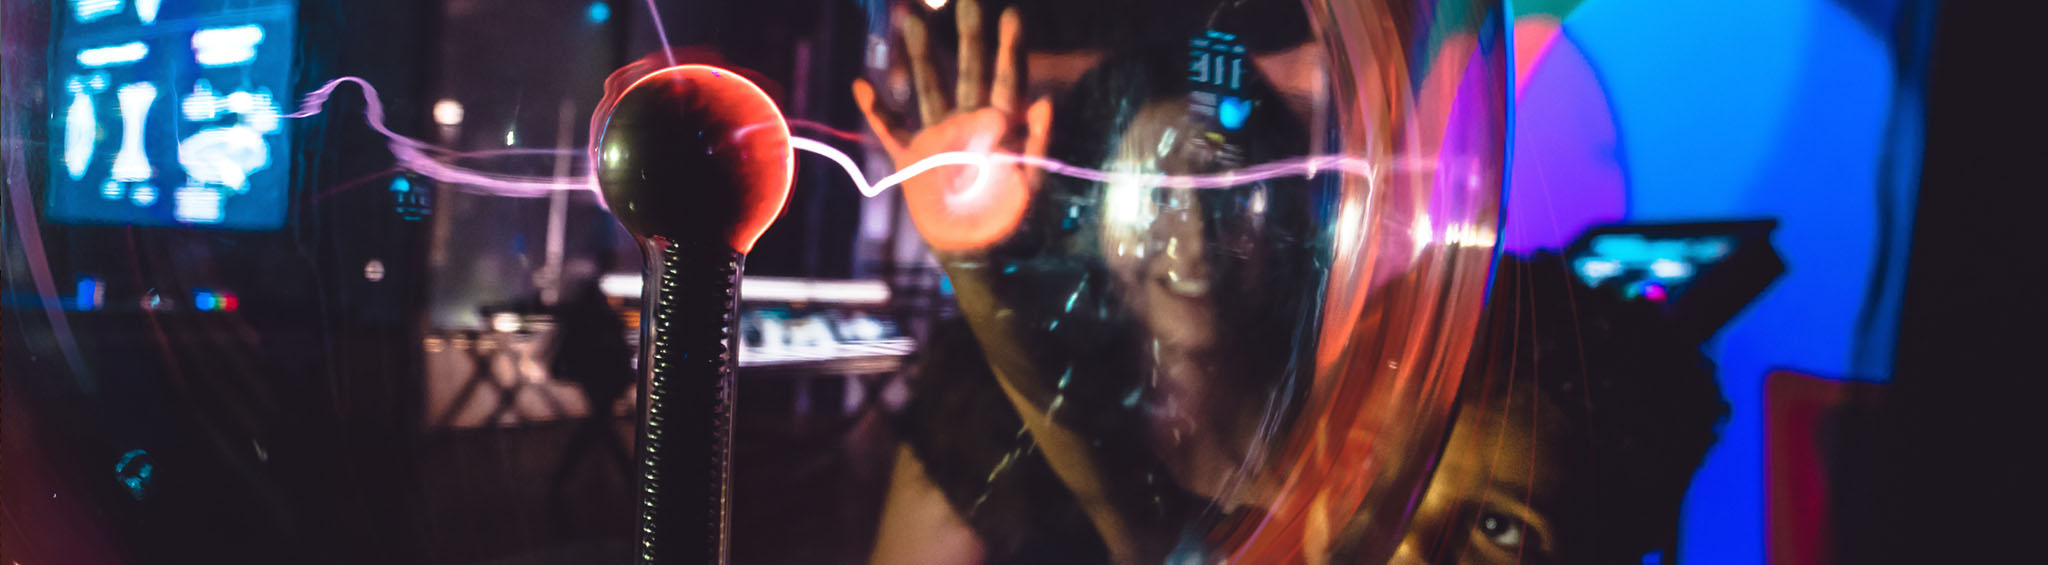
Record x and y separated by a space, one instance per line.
1260 372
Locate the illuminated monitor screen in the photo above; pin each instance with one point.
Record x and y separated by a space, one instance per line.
167 112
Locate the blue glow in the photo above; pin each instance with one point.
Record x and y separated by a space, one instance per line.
113 55
133 472
1670 269
81 123
1232 111
169 117
1653 558
202 105
1595 271
1671 260
1754 108
89 296
226 46
599 12
198 205
88 11
205 300
224 156
130 163
410 204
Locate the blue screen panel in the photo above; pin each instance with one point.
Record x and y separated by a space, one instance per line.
168 113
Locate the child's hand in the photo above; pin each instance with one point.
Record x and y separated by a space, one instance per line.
962 208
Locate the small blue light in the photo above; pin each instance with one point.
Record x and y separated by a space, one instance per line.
132 471
1233 111
401 185
1653 558
600 12
88 294
204 300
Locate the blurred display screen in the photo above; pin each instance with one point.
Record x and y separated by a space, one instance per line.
169 113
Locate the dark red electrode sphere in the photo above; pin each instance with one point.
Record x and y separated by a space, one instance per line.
695 153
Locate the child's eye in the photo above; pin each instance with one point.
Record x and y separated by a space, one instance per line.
1505 531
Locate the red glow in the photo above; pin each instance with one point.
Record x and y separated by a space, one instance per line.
228 302
966 208
765 183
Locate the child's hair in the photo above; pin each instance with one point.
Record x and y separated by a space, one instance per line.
1640 397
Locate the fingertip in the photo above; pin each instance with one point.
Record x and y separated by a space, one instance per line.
863 93
1012 22
913 31
1039 115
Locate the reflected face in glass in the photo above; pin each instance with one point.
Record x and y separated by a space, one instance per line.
1164 269
1496 493
1182 259
1170 249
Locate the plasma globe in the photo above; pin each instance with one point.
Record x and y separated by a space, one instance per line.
441 164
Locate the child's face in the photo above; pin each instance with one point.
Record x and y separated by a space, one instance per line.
1159 242
1498 492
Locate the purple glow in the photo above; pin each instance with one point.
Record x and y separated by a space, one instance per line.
438 163
661 31
1655 292
421 157
1567 174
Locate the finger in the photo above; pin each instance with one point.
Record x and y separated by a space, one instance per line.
931 100
1003 93
864 96
1037 135
971 88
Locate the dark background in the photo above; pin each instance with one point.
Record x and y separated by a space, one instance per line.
1958 483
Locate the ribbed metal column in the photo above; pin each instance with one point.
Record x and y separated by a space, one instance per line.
685 438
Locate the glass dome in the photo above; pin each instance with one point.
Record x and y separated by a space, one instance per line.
1227 269
1128 281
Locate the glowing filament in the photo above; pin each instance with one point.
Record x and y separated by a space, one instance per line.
441 165
146 10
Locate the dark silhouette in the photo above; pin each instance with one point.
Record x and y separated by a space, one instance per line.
591 351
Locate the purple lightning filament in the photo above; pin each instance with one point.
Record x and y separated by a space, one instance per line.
439 163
